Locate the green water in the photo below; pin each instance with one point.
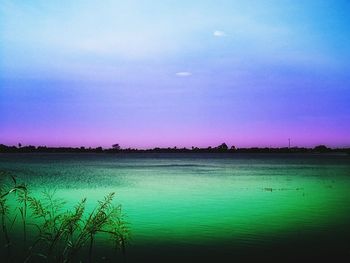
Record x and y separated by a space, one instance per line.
198 200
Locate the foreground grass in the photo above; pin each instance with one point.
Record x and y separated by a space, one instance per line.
48 232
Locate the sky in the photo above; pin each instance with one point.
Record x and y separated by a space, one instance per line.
175 73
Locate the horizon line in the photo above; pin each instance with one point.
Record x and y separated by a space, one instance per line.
112 146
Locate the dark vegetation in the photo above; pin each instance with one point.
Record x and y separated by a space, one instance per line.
222 148
48 233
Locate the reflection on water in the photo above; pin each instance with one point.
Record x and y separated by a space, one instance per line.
202 199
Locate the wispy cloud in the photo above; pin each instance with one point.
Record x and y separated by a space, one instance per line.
218 33
183 74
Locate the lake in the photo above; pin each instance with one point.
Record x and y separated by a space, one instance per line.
208 206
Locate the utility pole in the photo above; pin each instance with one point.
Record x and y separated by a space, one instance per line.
288 143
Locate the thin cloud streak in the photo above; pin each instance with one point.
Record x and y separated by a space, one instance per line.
184 74
218 33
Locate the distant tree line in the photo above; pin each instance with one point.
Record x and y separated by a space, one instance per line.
222 148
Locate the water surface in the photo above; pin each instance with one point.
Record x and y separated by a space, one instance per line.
206 202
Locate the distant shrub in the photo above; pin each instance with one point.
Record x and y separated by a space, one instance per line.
321 148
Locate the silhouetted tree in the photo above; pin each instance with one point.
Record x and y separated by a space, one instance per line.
321 148
222 147
99 149
116 146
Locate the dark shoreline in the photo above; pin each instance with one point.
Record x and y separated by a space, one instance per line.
223 148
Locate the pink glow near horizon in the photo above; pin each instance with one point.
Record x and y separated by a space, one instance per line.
254 137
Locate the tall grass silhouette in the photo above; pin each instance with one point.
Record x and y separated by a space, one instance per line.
49 232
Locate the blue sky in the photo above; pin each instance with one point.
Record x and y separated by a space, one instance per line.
147 73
